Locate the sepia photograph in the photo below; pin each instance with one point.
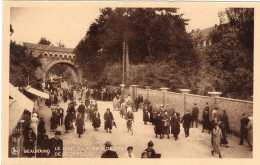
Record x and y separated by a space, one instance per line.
102 81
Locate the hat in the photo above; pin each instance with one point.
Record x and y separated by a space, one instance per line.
130 147
108 143
150 144
108 109
34 114
57 133
161 105
195 104
144 152
187 111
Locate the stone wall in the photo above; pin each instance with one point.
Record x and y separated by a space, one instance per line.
184 101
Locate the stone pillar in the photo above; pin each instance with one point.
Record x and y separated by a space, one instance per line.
183 96
122 90
133 93
212 103
164 90
148 88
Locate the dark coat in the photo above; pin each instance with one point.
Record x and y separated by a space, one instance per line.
41 126
151 153
186 120
56 148
159 125
96 120
175 125
29 140
109 154
80 125
108 117
81 109
205 117
195 112
244 121
226 121
43 144
68 121
145 114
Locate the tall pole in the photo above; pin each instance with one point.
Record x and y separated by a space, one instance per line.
123 62
127 64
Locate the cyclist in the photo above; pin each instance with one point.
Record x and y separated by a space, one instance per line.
129 119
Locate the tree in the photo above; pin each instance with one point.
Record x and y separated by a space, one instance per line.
22 66
229 66
44 41
60 44
154 35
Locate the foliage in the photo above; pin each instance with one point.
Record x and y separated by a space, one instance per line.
229 61
44 41
154 35
22 66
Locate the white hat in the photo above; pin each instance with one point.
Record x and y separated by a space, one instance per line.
34 115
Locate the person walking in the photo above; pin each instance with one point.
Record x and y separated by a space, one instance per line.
80 124
145 114
175 125
186 120
217 135
158 125
82 109
205 119
56 146
243 128
166 124
225 119
195 114
42 144
69 122
129 153
108 153
108 119
96 120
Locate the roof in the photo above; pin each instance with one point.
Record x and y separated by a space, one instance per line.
48 48
203 34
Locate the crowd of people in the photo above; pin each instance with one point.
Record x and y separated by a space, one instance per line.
165 119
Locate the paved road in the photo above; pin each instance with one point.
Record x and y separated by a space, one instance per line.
91 144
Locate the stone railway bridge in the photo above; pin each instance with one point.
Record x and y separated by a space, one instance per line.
50 56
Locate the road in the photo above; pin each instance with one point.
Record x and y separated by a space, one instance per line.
91 143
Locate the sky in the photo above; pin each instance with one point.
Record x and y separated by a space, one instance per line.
69 25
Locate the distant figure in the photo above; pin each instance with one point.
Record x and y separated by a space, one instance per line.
108 119
217 135
129 153
186 120
250 133
96 120
243 128
145 114
41 126
166 124
109 153
159 125
144 154
226 120
34 123
175 125
195 114
205 119
80 124
82 109
56 146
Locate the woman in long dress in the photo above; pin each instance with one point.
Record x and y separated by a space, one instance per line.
175 125
96 120
34 123
217 135
80 124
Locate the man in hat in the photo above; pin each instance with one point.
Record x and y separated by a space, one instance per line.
109 153
129 153
195 114
186 120
56 146
243 128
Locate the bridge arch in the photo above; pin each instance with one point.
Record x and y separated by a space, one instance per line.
65 62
